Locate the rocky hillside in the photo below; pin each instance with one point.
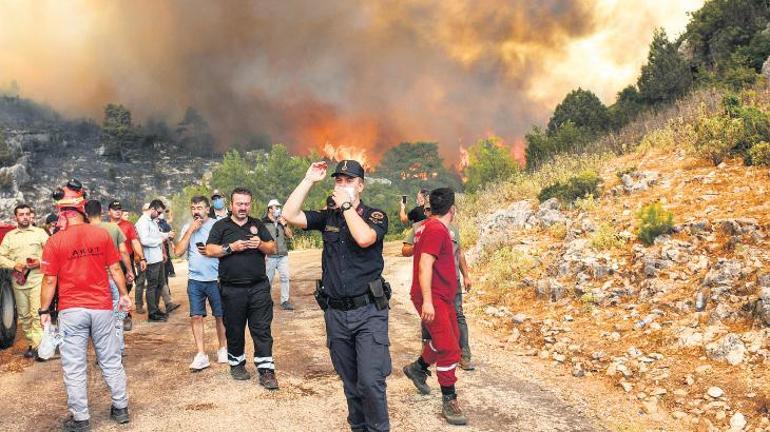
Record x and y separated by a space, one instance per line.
45 150
680 325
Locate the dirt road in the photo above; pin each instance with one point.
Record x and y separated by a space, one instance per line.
506 393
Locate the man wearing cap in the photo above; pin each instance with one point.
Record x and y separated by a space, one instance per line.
74 261
218 206
356 318
20 251
281 232
134 247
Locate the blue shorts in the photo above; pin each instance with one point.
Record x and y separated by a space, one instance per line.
198 291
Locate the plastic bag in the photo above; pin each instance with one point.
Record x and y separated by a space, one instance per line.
51 339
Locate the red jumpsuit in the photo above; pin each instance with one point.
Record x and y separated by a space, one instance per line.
443 348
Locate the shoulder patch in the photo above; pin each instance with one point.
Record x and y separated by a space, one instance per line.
377 217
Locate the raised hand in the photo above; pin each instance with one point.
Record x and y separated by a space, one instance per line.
316 172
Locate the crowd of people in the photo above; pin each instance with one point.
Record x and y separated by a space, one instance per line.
79 269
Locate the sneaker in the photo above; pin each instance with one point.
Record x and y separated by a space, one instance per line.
419 376
267 379
72 425
287 306
200 362
120 415
157 318
239 372
222 355
171 307
467 364
30 353
128 323
452 412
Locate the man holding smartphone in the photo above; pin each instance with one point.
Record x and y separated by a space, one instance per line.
202 282
241 243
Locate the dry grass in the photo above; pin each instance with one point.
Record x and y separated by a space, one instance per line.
692 188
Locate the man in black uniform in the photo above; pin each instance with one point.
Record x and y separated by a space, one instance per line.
241 243
353 292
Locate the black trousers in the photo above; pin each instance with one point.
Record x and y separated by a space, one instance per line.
252 305
156 278
359 347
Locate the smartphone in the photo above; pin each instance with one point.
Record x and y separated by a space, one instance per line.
403 199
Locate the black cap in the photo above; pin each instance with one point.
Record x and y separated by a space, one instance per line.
115 205
350 168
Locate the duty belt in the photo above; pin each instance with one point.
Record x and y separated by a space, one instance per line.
349 303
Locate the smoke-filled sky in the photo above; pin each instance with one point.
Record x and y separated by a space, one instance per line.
365 74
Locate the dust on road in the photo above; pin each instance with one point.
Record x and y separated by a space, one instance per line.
505 393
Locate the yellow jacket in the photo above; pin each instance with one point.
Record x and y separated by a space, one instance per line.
20 244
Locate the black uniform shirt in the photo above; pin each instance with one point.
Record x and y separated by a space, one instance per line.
240 268
347 267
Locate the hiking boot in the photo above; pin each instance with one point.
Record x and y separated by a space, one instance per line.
72 425
467 364
267 379
287 306
222 355
419 376
120 415
171 307
128 324
200 362
239 372
452 412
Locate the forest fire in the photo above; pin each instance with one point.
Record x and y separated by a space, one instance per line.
346 152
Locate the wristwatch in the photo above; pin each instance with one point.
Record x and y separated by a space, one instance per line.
226 249
43 312
346 206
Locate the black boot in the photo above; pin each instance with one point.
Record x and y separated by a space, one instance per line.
419 376
239 372
72 425
120 415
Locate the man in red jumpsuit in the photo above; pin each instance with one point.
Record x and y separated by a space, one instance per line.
434 285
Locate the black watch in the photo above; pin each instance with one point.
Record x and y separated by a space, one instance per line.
346 206
226 249
43 312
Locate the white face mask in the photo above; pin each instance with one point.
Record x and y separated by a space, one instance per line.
349 190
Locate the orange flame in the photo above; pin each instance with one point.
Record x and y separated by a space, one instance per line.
345 152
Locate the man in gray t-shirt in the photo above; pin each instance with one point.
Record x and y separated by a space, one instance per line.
281 233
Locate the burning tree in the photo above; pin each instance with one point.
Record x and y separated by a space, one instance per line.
488 161
414 165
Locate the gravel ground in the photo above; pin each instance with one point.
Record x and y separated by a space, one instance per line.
505 393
